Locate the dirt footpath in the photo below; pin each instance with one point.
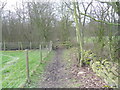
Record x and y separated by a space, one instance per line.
56 75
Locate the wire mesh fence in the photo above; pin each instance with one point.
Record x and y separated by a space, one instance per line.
18 65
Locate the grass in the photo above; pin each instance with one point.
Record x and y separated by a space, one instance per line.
37 76
14 66
92 39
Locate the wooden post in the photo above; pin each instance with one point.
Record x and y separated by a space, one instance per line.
4 46
30 45
21 46
18 46
40 47
50 46
27 67
46 46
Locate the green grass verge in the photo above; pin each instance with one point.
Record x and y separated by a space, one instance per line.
37 75
14 66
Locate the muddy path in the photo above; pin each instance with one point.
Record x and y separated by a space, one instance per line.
56 75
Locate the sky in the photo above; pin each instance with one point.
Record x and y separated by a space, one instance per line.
11 3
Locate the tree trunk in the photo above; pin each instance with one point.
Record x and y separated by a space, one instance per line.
78 35
118 37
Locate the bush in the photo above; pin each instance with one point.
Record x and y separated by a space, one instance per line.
67 44
104 68
88 57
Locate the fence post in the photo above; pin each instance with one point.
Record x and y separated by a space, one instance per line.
18 45
21 45
27 67
4 46
50 46
46 48
40 47
30 45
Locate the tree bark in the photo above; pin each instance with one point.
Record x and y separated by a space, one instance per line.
78 35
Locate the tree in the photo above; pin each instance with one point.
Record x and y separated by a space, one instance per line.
78 32
116 7
2 5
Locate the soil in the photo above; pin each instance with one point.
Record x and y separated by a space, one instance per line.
58 75
55 75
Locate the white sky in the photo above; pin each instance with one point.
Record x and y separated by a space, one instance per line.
12 3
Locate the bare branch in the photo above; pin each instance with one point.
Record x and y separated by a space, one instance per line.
3 5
